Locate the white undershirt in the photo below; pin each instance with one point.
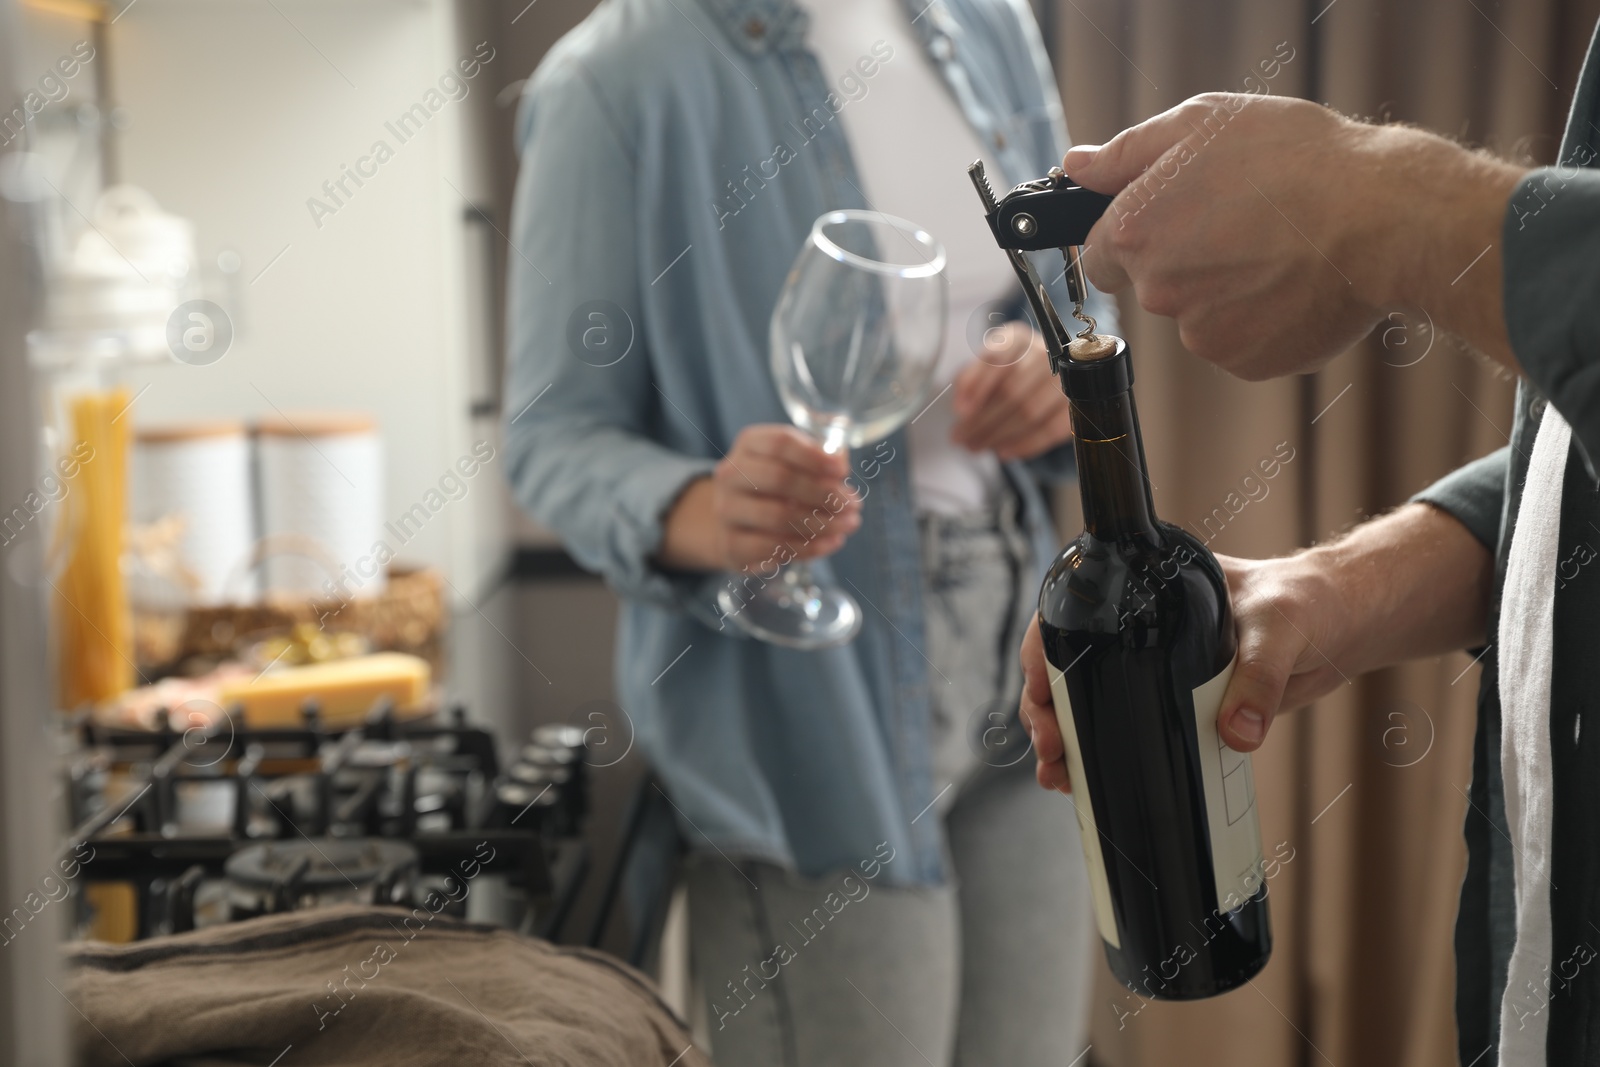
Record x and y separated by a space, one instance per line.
1527 644
912 147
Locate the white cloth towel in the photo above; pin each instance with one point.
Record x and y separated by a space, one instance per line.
1527 623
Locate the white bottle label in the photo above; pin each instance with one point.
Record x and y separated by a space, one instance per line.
1230 801
1230 805
1099 886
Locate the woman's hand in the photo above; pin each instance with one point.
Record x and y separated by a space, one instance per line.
1007 401
775 496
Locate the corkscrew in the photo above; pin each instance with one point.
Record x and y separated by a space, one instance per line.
1049 212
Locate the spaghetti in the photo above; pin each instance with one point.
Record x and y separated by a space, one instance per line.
93 623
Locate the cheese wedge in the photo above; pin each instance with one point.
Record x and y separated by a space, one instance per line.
345 690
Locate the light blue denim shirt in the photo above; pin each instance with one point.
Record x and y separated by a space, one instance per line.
674 155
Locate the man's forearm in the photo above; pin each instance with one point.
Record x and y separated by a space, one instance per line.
1430 236
1415 583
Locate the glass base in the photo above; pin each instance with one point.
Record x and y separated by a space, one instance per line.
795 614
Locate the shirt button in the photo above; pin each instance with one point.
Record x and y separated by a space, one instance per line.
943 49
755 28
1000 141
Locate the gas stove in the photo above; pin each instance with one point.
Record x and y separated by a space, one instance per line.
175 829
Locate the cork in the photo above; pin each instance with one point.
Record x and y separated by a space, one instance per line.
1095 346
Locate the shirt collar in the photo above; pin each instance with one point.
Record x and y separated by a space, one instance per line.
759 26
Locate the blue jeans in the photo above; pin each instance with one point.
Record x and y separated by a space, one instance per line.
992 969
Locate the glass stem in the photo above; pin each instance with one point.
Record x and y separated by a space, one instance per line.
797 575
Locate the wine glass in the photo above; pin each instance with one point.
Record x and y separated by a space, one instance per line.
855 338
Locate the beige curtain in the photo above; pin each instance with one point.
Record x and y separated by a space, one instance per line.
1367 787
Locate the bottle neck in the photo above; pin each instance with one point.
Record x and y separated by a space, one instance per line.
1112 477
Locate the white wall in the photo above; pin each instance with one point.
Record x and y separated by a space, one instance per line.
237 114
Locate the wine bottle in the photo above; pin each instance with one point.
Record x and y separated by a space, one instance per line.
1140 641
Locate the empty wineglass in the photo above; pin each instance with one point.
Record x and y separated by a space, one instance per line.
855 338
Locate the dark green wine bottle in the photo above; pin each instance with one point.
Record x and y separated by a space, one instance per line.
1140 641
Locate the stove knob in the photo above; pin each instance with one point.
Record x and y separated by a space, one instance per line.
525 807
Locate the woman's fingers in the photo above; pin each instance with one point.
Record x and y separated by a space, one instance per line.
785 518
1006 404
762 554
1041 423
763 476
1013 406
1017 397
971 390
766 476
780 496
1023 426
1003 346
1056 430
759 528
792 448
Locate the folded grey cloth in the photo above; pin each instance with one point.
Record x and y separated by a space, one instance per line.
362 985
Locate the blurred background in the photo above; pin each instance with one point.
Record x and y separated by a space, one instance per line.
333 385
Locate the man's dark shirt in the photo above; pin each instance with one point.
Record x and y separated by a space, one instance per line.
1552 308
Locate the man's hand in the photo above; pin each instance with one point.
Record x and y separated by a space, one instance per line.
1285 612
776 496
1412 583
1039 712
1278 233
1007 401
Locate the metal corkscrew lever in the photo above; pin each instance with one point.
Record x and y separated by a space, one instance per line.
1047 213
